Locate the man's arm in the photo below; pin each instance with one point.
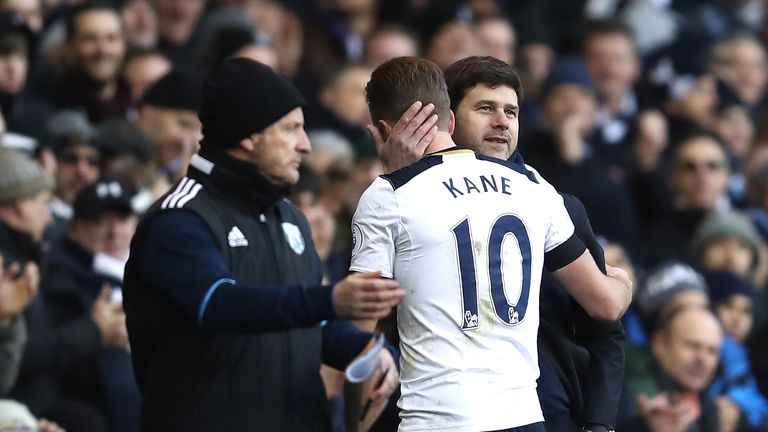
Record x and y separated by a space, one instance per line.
604 297
12 340
605 341
180 261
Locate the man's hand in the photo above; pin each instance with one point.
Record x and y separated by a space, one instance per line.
390 382
366 296
408 139
651 139
570 144
662 415
48 426
110 319
17 289
728 413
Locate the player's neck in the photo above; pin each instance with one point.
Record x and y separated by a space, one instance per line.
441 142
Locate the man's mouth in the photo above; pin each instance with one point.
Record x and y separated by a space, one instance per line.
498 140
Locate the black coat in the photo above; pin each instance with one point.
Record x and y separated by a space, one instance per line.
581 359
60 359
205 357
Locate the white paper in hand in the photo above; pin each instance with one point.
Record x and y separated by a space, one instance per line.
362 367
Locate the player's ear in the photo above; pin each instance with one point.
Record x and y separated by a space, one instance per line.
451 122
385 129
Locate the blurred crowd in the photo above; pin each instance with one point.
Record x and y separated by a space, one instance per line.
652 112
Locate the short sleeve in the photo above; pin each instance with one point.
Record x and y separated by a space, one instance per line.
375 228
560 227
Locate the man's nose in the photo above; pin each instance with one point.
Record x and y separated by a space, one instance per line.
500 120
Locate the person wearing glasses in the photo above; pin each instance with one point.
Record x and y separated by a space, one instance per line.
697 176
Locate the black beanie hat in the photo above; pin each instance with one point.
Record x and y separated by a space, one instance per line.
242 97
175 90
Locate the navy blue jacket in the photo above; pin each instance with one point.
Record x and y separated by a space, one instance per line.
224 304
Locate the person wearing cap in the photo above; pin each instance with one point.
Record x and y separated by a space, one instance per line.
25 190
222 289
72 139
78 341
168 117
735 386
728 240
669 286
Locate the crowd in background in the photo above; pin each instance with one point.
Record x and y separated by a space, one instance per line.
652 112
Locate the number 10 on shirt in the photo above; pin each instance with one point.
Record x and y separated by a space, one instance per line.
509 314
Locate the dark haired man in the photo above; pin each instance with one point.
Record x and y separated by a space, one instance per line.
93 57
484 94
468 329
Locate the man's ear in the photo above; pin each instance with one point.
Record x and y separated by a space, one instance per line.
451 122
248 144
385 129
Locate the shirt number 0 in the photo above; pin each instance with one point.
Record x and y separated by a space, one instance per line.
510 314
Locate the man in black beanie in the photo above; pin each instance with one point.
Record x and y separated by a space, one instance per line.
167 116
222 290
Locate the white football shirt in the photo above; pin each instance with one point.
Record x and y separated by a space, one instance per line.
465 236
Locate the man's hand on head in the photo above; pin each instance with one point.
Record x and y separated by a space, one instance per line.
408 139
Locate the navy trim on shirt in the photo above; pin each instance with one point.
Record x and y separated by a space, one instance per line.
402 176
511 164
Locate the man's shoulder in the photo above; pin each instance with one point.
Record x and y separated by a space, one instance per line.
402 176
512 165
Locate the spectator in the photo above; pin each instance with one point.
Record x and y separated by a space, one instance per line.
177 21
16 48
239 41
30 11
560 151
734 126
666 388
142 69
345 95
168 117
24 193
387 42
90 78
728 241
691 99
330 150
735 387
668 287
342 107
497 38
139 21
614 64
77 160
25 190
78 340
698 174
15 295
238 312
740 62
454 41
126 155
